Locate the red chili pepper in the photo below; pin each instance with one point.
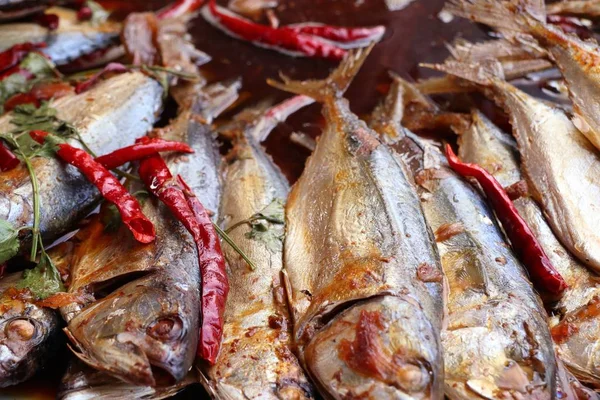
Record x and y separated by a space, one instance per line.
525 244
340 34
571 25
88 83
143 148
179 8
49 21
14 55
109 186
186 207
84 14
20 98
8 160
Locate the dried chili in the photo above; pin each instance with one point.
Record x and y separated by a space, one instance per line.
8 160
179 8
85 13
178 197
143 148
91 81
11 57
109 186
525 244
41 91
312 40
50 21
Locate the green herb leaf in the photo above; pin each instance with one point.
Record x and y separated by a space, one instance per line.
273 213
43 280
9 242
99 14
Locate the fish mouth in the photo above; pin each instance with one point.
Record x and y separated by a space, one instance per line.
134 358
384 346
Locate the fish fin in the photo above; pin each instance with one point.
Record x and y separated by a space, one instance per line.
483 72
213 100
506 15
334 85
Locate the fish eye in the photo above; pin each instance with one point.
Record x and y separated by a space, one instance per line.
22 329
166 328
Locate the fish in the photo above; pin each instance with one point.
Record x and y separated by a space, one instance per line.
366 322
81 382
72 39
29 334
257 323
15 9
553 155
109 116
577 59
496 341
149 318
584 8
576 322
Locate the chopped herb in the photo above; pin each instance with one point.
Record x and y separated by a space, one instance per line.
9 241
234 246
266 225
43 280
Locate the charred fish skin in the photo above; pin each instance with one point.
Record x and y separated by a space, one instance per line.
28 335
81 382
109 116
71 40
152 321
576 328
356 239
554 153
257 322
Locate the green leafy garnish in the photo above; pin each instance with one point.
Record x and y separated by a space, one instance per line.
43 280
266 225
234 246
9 241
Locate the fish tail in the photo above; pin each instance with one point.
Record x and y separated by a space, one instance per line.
215 99
334 85
483 73
280 113
511 15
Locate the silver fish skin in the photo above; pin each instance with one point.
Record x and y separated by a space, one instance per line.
496 340
29 335
366 321
577 59
81 382
257 322
576 325
151 321
71 40
110 115
561 167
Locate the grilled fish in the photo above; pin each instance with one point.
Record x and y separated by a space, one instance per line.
584 8
151 321
561 167
257 324
28 334
496 342
576 327
70 41
364 281
110 115
578 60
83 383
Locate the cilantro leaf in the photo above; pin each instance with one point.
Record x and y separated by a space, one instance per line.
9 241
43 280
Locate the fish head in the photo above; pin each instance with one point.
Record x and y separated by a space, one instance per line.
25 331
142 325
370 349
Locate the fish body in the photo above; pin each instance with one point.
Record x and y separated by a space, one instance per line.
256 359
496 341
366 321
29 335
151 321
576 326
561 167
584 8
110 115
71 40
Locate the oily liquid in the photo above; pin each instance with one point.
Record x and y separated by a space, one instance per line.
414 35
